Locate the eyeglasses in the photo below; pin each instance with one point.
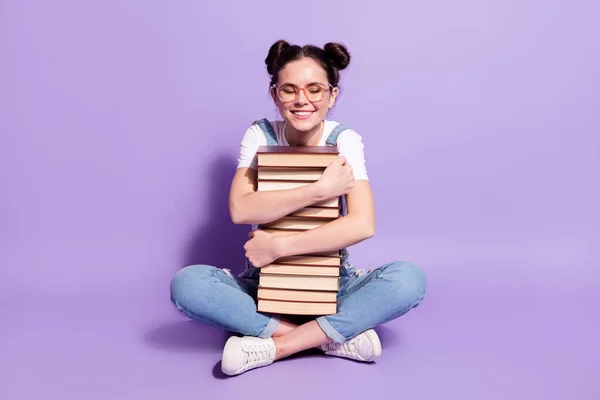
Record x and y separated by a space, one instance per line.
314 92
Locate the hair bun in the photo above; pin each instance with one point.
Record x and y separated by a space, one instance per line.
337 54
274 52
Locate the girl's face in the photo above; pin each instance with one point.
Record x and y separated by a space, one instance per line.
303 94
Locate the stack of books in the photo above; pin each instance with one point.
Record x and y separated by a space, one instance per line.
304 284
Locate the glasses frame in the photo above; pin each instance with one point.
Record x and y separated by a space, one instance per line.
297 89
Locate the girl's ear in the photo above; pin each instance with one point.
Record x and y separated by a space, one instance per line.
333 97
273 96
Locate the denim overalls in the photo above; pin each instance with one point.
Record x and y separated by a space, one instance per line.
267 128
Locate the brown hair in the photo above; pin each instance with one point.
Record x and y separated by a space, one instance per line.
333 57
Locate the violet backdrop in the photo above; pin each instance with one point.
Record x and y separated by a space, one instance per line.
120 125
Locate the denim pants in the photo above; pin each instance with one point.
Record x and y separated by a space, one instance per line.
217 298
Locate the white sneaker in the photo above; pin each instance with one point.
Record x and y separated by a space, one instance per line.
363 347
241 354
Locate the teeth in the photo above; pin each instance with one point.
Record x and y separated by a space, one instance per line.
302 112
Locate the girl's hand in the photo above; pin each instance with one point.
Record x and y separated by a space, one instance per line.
337 179
262 248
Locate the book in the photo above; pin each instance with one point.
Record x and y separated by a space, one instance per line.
296 156
297 307
266 185
281 232
290 174
303 284
300 282
297 223
316 212
311 260
293 269
314 296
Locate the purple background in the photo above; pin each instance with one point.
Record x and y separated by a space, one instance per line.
120 124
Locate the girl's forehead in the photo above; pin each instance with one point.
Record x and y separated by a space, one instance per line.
302 71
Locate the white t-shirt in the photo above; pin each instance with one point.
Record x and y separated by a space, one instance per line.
349 144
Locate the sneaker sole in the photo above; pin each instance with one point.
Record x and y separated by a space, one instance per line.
225 359
374 338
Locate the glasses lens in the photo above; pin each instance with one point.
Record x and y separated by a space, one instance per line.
287 93
314 92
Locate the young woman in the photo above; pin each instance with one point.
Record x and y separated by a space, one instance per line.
304 86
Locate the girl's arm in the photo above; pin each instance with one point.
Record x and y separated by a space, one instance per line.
247 206
356 226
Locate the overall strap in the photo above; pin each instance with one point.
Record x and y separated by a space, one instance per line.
333 136
267 128
332 141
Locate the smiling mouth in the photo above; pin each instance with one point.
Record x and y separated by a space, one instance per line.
302 113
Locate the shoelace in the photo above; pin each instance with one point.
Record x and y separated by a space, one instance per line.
348 347
256 353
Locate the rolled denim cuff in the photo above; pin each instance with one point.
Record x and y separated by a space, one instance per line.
270 328
330 331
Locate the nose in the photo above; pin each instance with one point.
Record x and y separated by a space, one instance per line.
301 97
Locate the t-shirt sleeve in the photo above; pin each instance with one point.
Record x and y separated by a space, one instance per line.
351 146
250 143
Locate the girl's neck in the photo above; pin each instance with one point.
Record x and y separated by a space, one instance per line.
295 138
